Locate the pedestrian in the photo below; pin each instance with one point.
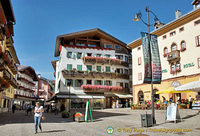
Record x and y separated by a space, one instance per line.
190 101
62 107
13 108
38 115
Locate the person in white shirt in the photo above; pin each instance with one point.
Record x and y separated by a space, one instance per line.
38 115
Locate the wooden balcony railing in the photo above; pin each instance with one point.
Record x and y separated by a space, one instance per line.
8 76
103 60
93 74
173 56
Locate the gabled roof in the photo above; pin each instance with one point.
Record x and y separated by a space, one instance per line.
22 68
91 32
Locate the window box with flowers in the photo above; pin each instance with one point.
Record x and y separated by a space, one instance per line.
183 49
164 55
173 72
4 84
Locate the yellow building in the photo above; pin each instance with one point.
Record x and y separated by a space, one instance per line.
8 57
179 48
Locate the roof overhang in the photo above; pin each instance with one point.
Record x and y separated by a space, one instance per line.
90 32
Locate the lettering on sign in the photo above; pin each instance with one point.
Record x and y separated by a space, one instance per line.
188 65
164 71
176 84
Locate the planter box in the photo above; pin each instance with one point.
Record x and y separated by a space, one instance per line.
80 119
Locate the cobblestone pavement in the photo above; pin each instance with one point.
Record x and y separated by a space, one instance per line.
125 122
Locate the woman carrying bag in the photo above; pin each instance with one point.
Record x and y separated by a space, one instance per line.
38 116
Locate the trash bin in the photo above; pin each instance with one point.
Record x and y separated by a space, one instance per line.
146 120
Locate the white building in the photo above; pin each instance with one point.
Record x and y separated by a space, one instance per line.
24 94
96 67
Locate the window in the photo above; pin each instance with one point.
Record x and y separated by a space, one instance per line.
98 82
197 22
89 54
89 67
198 41
138 48
89 82
69 54
183 46
107 55
108 46
126 85
125 71
68 82
117 47
173 33
165 52
173 68
69 66
126 59
78 83
99 68
108 82
164 37
181 29
119 57
71 43
98 55
178 66
92 45
79 54
80 44
174 47
121 84
139 61
107 69
139 76
198 62
79 67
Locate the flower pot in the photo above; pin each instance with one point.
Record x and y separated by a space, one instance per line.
132 108
188 106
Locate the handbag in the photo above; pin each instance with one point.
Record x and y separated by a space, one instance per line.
43 117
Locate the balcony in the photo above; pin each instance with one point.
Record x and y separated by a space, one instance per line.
173 56
11 64
27 97
8 76
93 74
102 60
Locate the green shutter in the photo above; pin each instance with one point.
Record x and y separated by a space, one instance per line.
101 82
107 69
99 68
104 82
95 82
110 83
69 66
79 67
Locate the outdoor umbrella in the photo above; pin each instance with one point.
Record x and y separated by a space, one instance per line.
171 90
192 86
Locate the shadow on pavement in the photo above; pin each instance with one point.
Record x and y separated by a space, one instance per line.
52 131
20 117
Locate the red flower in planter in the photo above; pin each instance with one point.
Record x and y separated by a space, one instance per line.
183 49
164 55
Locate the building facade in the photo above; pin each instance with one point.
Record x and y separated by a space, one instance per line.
8 56
24 93
44 89
94 66
179 47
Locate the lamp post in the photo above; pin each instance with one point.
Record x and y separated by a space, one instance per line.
69 84
138 17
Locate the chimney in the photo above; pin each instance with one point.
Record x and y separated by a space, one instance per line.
178 14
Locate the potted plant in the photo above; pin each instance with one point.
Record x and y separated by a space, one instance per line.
188 105
132 106
65 114
79 117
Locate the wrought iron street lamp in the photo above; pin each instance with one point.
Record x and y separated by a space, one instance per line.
138 17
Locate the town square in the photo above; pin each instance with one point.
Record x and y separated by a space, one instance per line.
96 68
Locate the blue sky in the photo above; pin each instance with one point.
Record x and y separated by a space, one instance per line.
38 22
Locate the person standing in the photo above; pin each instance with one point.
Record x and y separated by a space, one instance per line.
190 101
38 115
13 108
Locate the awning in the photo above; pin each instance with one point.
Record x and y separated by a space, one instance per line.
124 95
80 96
192 86
171 90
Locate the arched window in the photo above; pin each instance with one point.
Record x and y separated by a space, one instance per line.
165 52
173 68
178 66
183 45
174 47
140 97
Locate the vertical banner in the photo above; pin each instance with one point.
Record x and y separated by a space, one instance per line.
156 65
147 61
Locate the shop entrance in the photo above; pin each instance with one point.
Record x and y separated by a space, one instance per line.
140 97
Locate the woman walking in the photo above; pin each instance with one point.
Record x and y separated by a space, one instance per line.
38 115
